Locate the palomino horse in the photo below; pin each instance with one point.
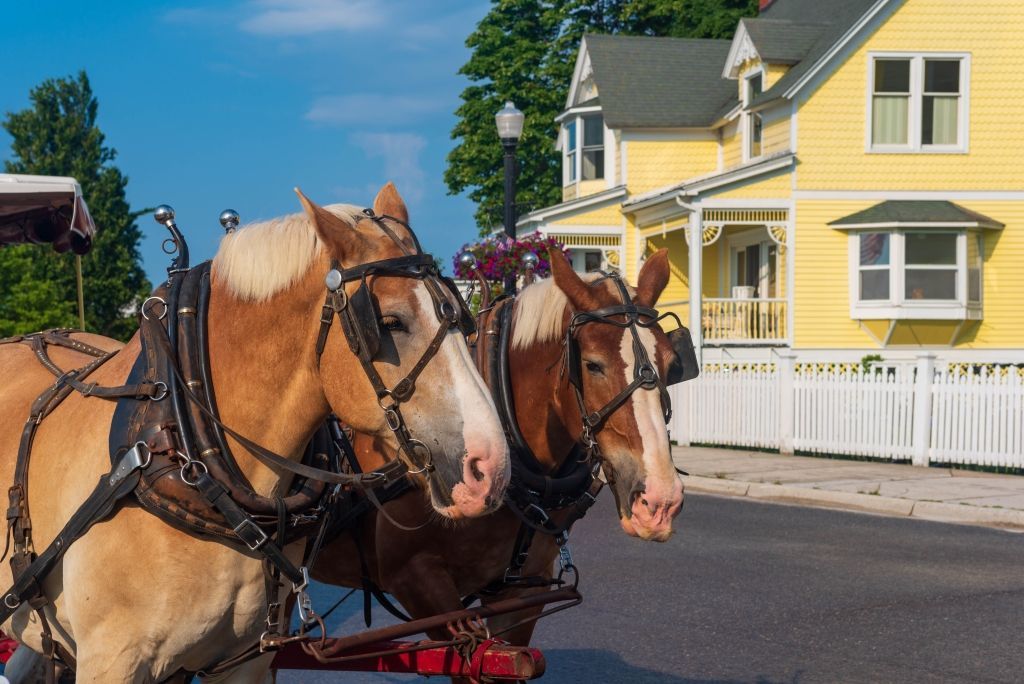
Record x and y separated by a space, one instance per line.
430 570
138 600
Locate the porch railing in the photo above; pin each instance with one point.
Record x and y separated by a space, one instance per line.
744 320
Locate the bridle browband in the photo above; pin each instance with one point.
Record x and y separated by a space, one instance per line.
359 317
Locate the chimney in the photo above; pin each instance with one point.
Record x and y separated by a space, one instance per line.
762 5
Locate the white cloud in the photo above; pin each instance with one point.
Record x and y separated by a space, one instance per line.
400 153
372 108
306 17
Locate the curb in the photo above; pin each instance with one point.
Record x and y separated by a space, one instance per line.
883 505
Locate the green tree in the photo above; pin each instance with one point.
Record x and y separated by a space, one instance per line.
524 51
57 135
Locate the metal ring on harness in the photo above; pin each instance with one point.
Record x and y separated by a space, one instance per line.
161 391
198 465
163 314
413 446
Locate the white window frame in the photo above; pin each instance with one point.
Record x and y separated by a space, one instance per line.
748 117
582 139
898 306
915 106
573 174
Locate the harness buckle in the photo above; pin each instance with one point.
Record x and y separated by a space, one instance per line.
251 534
565 556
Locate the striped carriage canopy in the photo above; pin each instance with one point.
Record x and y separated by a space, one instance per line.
44 210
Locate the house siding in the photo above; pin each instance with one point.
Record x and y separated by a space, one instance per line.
833 126
656 163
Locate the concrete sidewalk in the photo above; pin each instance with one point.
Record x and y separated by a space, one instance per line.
889 489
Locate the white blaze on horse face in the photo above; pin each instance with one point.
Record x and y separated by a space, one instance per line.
662 495
467 403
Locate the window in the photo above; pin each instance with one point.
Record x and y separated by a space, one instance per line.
570 151
584 148
593 147
923 274
974 258
755 124
918 103
874 267
931 267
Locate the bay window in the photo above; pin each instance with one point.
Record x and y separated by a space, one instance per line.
916 274
918 103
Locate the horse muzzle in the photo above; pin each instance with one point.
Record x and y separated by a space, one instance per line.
652 511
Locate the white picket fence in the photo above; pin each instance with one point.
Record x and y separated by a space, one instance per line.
921 412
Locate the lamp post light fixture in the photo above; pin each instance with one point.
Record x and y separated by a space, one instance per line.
510 128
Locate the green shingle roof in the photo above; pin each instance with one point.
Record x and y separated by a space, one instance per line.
647 82
836 16
781 41
916 213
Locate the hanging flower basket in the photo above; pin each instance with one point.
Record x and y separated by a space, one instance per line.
498 257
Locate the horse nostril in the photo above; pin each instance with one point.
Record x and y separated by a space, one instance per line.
474 468
644 502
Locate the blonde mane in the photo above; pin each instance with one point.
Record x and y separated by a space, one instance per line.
261 259
539 311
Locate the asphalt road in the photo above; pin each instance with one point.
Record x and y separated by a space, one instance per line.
765 593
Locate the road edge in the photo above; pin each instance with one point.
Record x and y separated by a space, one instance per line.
1004 518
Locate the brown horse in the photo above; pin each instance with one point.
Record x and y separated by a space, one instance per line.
430 570
137 600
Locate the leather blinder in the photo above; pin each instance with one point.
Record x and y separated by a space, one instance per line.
684 364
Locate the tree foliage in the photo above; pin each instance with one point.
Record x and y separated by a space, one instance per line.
524 51
57 135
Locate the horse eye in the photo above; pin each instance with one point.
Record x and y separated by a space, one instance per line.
392 323
595 368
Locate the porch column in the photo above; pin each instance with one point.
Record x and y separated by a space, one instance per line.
694 275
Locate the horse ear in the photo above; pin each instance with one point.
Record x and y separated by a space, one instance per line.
569 282
333 231
652 279
389 203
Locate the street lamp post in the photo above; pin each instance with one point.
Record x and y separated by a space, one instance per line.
510 128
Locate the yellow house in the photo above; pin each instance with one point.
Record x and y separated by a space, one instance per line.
841 175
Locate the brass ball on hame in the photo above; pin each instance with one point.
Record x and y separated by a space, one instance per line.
467 261
163 214
230 219
530 261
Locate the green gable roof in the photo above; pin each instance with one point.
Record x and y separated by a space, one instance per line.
781 41
836 17
916 213
646 82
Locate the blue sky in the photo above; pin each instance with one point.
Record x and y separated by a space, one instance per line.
232 104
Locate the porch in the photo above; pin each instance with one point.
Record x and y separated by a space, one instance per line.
742 268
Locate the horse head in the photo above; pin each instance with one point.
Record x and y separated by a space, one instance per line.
611 385
379 334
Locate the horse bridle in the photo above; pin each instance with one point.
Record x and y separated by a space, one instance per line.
360 321
645 374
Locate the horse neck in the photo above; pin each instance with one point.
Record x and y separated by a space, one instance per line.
545 406
264 373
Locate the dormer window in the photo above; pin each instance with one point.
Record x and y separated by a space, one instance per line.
593 147
583 156
753 86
